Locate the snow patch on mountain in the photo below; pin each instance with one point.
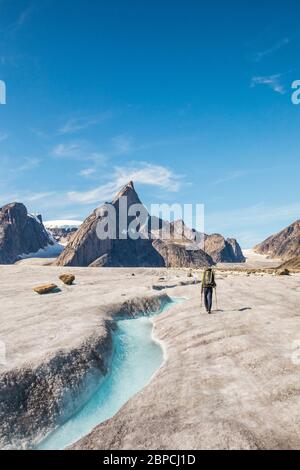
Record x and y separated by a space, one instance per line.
50 251
62 224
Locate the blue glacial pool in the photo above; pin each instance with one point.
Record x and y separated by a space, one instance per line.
137 356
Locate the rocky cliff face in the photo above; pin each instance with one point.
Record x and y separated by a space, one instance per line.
284 245
182 249
216 247
222 250
176 255
20 233
86 249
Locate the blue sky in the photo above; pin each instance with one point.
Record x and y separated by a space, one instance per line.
191 99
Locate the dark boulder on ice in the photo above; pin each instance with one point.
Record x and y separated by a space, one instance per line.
67 279
283 272
45 289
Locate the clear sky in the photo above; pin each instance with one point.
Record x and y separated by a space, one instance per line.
191 99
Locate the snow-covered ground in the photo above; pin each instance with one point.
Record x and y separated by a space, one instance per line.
50 251
253 260
230 380
63 224
253 257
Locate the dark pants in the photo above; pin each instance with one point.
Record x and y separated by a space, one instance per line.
208 296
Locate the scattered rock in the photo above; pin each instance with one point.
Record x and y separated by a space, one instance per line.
45 289
67 279
190 282
292 264
161 287
283 272
157 287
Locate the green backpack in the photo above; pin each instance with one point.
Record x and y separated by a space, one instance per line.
208 279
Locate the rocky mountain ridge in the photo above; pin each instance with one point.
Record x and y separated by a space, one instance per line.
20 233
283 245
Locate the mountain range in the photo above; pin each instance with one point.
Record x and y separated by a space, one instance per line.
24 235
284 245
86 249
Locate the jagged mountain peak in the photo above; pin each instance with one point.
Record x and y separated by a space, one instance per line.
129 191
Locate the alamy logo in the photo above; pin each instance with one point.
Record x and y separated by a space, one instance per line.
296 94
3 361
296 352
2 92
125 220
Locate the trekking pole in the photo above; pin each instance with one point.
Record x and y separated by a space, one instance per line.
216 298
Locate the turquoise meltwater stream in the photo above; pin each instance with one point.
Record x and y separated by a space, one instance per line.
136 357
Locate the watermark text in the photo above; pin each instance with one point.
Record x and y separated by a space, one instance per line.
2 92
296 93
174 221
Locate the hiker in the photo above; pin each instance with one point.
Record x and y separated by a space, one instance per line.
207 287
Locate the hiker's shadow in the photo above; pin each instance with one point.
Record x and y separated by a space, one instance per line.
243 309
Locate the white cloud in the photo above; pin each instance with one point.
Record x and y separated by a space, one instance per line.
29 164
230 176
76 124
278 45
44 199
79 150
147 174
71 149
39 196
94 196
21 20
154 175
86 172
39 133
272 81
